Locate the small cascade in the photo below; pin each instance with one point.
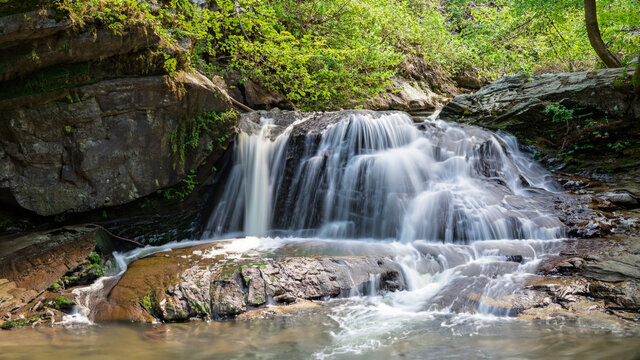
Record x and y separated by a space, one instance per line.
362 174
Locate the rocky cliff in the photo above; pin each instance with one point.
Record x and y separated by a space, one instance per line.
90 119
584 123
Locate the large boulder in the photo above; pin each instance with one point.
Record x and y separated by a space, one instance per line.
108 145
521 97
89 120
210 282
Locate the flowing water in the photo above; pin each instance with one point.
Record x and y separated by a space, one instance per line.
465 213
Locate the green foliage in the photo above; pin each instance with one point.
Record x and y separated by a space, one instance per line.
527 36
328 54
94 258
170 65
618 146
559 113
187 135
187 185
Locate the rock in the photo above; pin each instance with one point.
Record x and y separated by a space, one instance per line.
623 198
37 260
406 95
520 97
259 98
468 79
623 267
73 48
202 282
30 265
109 146
30 26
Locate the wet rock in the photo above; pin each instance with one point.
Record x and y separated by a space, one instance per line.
36 261
189 283
619 268
32 265
623 198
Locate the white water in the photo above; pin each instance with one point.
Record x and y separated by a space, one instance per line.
376 175
457 207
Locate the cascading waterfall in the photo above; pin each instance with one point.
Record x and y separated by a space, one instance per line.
377 175
462 210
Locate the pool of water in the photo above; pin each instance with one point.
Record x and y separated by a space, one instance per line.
354 328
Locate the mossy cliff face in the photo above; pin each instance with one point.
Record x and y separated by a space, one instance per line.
87 116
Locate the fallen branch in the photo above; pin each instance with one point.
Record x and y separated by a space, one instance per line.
240 105
116 236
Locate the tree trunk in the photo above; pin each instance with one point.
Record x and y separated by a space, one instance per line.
593 31
635 80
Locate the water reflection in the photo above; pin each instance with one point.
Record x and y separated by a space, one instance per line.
313 334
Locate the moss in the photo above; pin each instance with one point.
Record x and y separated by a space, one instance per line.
149 303
187 136
62 303
622 84
20 322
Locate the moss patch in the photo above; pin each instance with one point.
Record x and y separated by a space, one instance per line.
20 322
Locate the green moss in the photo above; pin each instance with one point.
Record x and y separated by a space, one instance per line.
622 84
149 303
188 134
62 303
20 322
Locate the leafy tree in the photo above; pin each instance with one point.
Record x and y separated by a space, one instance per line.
593 30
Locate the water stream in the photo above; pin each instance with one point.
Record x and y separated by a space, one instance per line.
464 212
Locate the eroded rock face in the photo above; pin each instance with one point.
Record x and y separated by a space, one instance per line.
195 282
604 273
108 146
32 263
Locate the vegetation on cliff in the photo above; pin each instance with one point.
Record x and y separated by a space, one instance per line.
330 53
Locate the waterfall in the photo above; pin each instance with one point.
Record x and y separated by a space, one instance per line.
363 174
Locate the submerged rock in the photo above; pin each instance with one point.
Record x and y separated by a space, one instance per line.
201 282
